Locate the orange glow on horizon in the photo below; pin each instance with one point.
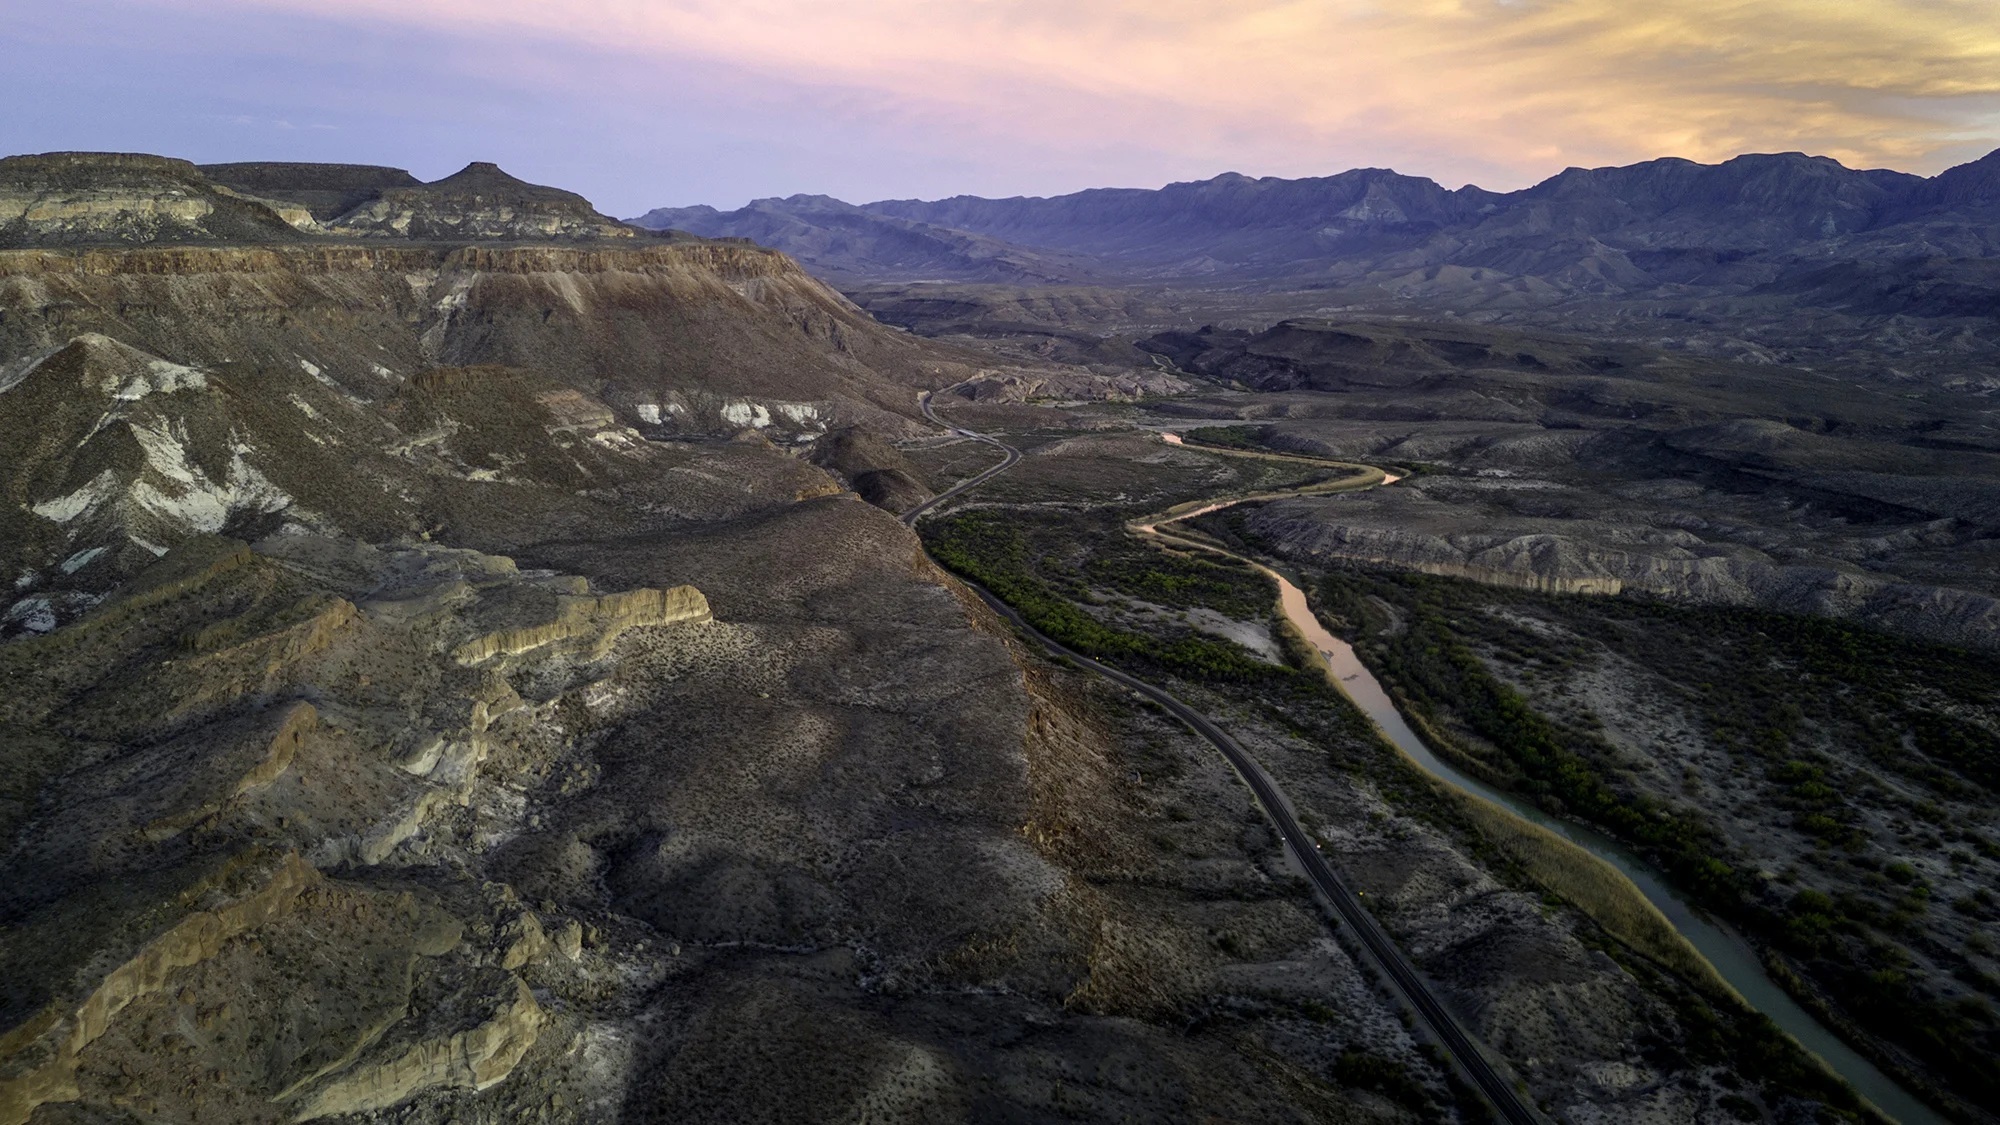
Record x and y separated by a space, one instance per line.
1511 90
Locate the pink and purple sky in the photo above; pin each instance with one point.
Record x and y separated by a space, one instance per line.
641 103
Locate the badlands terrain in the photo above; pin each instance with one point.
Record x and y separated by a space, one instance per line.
466 664
1698 518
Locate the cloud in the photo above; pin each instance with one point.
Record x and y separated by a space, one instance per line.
1511 90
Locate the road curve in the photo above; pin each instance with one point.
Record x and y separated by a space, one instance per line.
1472 1061
910 517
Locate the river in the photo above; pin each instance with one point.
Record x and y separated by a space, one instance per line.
1727 951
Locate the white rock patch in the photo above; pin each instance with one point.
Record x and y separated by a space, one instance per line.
459 296
81 559
172 488
63 509
34 614
325 380
160 377
191 499
746 414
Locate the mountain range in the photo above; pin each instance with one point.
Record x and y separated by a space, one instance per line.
1662 228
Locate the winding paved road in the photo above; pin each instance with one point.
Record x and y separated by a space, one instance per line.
1471 1059
1013 455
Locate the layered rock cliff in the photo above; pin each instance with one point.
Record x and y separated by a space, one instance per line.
71 198
479 201
305 396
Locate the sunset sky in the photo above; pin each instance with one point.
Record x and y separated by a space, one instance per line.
639 103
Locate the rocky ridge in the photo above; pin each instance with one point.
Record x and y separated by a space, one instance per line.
1606 558
80 198
326 191
482 202
72 198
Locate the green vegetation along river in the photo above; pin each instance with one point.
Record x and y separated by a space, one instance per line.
1731 956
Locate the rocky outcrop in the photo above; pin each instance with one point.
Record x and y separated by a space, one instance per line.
478 202
264 766
598 621
473 1059
69 198
39 1058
